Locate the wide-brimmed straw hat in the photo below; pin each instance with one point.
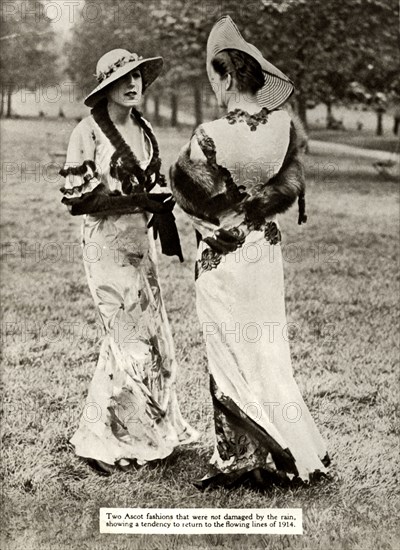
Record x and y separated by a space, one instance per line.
225 35
117 63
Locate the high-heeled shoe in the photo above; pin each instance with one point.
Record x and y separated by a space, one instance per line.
124 464
100 466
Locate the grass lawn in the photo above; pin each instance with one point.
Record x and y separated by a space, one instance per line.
342 289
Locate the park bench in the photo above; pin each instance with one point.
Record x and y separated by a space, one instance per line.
335 124
387 168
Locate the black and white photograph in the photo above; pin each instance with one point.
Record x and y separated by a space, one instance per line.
200 274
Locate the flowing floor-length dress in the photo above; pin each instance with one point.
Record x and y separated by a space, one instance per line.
131 410
261 420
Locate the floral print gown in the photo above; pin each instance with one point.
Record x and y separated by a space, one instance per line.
260 417
131 410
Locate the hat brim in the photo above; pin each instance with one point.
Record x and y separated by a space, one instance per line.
277 87
150 69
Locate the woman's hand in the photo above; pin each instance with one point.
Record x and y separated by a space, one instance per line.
156 203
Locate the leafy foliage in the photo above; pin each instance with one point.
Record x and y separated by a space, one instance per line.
321 45
27 55
340 293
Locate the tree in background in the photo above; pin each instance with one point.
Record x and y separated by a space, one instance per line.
321 45
27 53
377 75
102 27
181 30
173 29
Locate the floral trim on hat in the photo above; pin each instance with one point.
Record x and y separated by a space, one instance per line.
101 76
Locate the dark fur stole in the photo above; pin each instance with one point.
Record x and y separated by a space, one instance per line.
207 190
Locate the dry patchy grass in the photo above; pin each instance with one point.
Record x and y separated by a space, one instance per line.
341 284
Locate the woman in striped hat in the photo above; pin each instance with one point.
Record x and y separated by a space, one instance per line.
233 178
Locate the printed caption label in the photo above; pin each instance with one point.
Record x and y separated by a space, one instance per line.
288 521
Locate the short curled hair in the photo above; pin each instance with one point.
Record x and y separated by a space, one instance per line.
243 67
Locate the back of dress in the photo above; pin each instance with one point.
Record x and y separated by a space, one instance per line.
251 147
237 174
233 171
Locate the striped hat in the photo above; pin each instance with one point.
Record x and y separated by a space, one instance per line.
225 35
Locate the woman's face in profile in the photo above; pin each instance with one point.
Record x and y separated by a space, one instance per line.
127 90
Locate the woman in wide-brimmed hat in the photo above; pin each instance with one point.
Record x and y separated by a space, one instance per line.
235 175
113 179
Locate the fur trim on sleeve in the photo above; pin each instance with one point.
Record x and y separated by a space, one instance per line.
80 179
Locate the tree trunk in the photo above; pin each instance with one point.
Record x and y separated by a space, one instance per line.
157 119
174 109
396 124
379 125
198 104
328 113
302 110
9 94
2 103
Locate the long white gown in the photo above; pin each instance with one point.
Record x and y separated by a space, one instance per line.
261 419
131 411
